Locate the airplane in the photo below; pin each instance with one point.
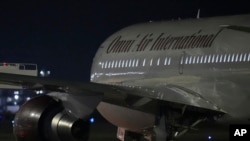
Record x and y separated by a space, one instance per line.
169 80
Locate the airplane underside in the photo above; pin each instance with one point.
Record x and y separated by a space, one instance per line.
169 121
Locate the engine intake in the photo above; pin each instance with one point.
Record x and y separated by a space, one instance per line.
44 119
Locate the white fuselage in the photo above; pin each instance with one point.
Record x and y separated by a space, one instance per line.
201 55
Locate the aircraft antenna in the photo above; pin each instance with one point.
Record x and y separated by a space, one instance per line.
198 14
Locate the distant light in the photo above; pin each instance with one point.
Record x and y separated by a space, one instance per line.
209 137
176 134
48 72
16 97
9 99
13 121
92 120
15 103
16 92
28 98
45 73
4 64
32 114
42 73
39 92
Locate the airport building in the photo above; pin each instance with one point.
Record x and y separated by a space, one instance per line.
12 96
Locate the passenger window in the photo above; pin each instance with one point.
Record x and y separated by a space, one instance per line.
217 58
221 56
201 59
119 64
232 58
245 57
126 64
123 63
190 60
101 65
113 62
240 57
186 60
182 58
198 59
166 60
169 61
144 62
228 57
158 61
205 59
106 65
236 57
133 63
151 62
209 58
109 65
225 58
137 62
194 59
213 58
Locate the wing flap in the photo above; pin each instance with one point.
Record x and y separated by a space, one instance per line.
170 93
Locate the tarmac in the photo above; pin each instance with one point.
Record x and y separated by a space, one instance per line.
101 130
6 131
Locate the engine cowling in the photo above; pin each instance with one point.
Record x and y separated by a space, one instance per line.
44 118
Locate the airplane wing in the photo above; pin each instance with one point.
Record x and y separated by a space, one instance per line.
78 97
171 93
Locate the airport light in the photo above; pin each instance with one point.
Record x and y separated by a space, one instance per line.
48 72
92 120
16 97
176 134
45 73
9 99
28 98
209 137
16 92
39 92
42 73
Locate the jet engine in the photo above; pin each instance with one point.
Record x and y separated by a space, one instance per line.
44 118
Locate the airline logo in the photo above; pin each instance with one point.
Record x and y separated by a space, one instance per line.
161 42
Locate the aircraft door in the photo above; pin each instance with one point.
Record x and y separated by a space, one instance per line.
181 62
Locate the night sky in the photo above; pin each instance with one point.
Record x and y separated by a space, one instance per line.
64 36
